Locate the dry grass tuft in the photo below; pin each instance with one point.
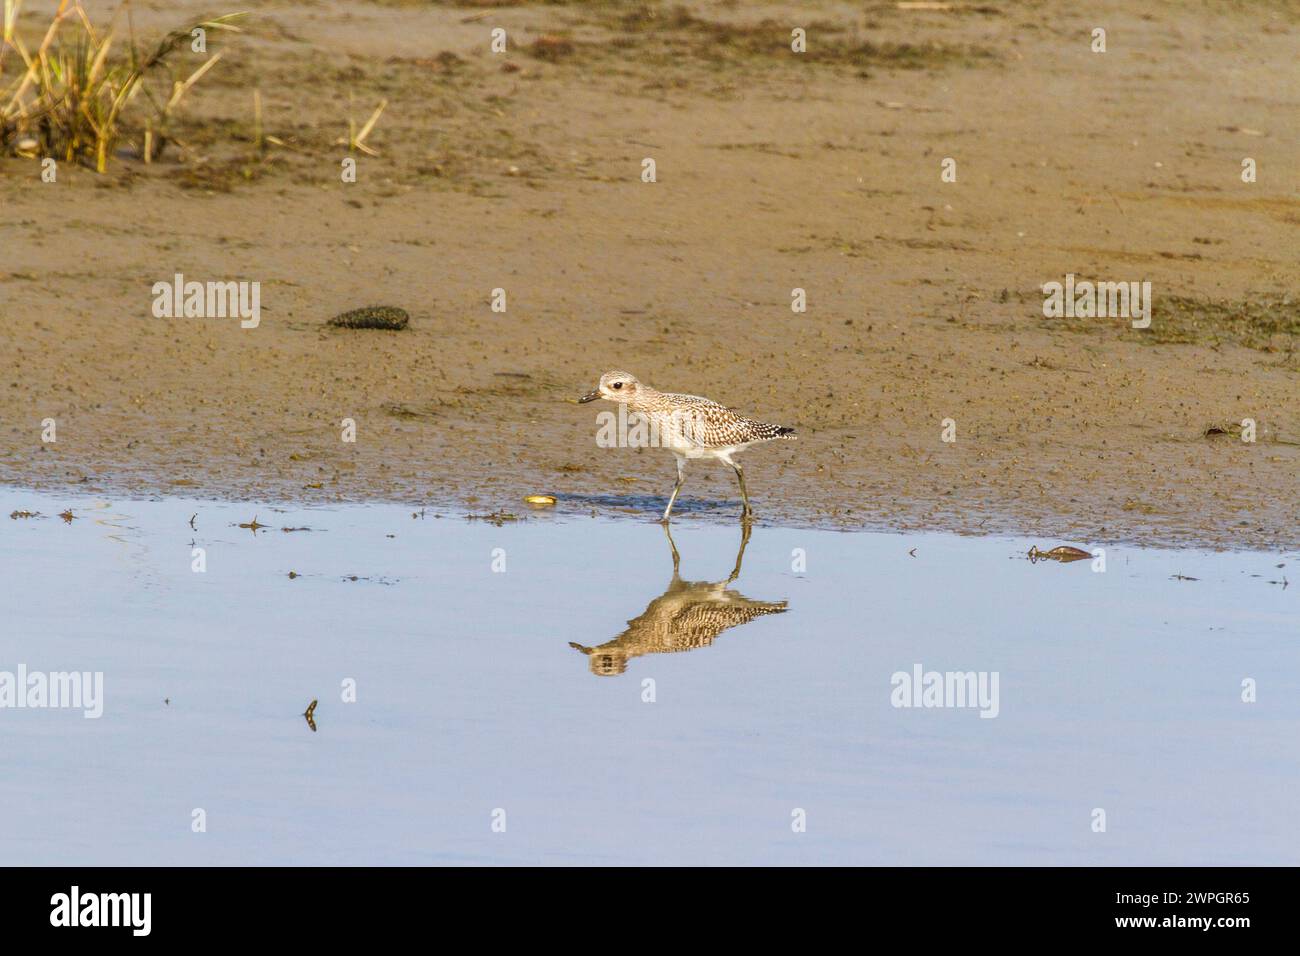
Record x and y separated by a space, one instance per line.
70 98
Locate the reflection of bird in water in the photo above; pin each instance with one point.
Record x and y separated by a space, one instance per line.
688 615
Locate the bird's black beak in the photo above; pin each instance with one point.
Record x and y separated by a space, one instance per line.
589 397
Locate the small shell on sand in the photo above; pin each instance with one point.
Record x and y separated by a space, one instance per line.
540 500
372 317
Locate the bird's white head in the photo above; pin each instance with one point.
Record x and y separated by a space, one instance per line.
615 386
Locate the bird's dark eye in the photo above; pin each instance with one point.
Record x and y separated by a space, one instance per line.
618 384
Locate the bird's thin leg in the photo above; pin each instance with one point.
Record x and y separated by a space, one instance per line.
681 477
745 529
677 558
744 495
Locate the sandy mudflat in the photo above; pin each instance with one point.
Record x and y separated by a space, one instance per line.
775 171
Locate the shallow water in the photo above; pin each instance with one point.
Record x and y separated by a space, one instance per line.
1119 690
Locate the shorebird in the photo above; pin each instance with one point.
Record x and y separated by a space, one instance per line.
689 426
687 616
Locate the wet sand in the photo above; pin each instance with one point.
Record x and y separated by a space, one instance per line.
522 171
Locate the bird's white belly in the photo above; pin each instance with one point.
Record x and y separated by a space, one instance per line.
698 451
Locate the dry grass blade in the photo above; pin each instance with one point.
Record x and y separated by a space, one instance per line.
357 140
179 89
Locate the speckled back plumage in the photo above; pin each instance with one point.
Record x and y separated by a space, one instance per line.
696 421
690 615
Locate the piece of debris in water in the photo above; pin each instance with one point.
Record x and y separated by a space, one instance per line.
497 518
1182 577
253 525
1063 553
24 514
372 317
541 501
67 516
309 713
